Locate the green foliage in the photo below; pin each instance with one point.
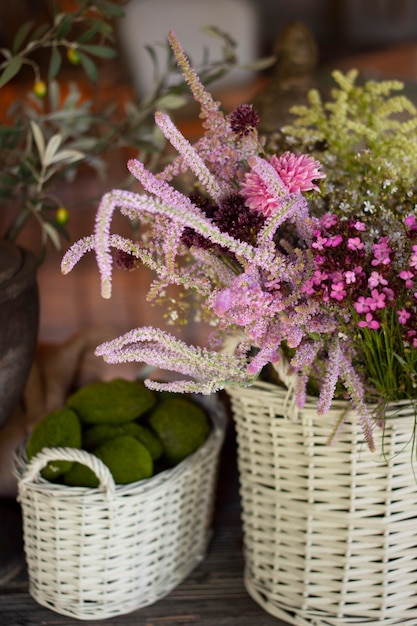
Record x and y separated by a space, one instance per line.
390 364
366 139
49 136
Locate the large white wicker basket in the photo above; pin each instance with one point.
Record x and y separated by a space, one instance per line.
330 532
98 553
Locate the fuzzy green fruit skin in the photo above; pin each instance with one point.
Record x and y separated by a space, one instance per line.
80 476
182 427
127 459
60 428
111 402
146 436
96 435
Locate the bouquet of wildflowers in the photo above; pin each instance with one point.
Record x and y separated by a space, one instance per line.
277 277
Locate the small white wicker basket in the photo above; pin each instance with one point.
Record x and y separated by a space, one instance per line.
330 532
97 553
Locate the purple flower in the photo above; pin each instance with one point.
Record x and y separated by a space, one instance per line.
244 119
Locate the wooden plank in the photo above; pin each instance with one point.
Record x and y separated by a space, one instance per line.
213 594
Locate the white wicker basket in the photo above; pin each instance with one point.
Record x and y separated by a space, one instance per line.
98 553
330 532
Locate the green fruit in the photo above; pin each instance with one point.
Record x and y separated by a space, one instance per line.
40 89
95 435
146 436
182 427
80 476
113 402
127 459
73 56
60 428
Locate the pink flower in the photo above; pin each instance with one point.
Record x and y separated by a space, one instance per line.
369 322
257 197
381 252
407 276
328 220
350 277
376 301
359 226
361 305
297 171
389 293
354 243
413 260
334 241
411 222
403 316
376 279
319 243
338 291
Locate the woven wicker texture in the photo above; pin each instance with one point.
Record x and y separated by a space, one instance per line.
98 553
330 532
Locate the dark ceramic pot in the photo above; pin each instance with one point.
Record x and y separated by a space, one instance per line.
19 322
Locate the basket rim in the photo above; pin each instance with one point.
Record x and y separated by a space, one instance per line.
217 415
262 387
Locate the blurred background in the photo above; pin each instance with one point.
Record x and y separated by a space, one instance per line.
377 36
340 27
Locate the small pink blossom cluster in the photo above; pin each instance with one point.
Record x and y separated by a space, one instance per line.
365 277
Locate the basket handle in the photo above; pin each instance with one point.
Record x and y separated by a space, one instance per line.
38 462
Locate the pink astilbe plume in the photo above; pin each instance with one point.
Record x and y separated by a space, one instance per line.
210 371
219 147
